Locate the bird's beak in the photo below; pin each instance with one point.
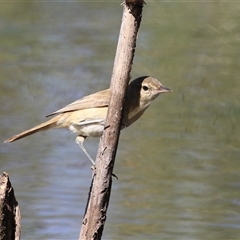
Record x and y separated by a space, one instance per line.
165 90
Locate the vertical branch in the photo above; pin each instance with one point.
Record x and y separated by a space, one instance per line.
95 215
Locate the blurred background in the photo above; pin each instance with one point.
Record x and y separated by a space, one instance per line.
178 166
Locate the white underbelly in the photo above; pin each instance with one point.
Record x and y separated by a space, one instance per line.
88 129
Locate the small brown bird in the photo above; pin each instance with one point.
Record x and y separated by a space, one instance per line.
86 116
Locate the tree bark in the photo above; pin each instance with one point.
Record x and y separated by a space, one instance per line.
10 217
96 209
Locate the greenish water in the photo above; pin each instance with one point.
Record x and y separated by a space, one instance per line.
178 166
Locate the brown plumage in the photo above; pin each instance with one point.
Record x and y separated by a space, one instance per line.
86 116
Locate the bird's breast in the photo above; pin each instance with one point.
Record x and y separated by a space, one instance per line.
133 115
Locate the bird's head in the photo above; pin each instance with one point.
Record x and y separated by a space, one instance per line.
145 89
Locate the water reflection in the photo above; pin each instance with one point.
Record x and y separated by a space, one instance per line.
178 166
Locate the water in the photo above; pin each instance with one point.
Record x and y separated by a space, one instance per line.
178 166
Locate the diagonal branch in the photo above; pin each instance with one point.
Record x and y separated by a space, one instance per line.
96 210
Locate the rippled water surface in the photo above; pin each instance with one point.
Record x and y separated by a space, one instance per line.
178 166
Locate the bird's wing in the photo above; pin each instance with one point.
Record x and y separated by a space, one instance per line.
96 100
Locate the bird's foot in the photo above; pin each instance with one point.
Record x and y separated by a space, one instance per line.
114 175
93 167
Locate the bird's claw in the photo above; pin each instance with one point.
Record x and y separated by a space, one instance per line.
114 175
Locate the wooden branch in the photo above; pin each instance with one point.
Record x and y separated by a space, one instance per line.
10 217
96 209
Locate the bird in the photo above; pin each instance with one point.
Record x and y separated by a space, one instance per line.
86 116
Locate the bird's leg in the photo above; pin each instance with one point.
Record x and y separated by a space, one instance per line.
79 140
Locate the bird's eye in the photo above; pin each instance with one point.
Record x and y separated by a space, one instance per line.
145 88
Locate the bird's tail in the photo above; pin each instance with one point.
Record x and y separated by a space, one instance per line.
41 127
